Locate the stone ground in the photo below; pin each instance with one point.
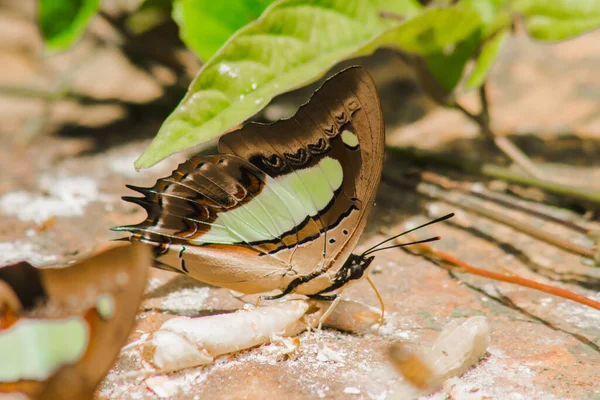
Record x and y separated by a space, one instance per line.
67 163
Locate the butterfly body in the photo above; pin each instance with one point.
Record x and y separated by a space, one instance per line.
282 206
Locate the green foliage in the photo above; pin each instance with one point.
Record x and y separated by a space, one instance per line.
257 49
433 30
149 14
487 56
488 10
545 20
447 66
62 22
559 19
205 25
292 44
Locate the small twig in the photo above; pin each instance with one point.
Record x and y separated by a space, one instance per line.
485 107
468 188
503 143
458 265
425 189
494 171
497 172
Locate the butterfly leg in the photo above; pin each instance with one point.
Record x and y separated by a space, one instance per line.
335 300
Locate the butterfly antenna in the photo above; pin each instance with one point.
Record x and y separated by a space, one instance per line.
440 219
431 239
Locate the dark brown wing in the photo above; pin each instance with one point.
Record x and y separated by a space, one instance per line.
346 107
205 201
283 199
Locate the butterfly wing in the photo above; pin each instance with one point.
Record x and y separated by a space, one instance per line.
330 157
280 200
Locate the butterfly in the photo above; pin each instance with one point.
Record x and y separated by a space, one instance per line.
61 329
283 205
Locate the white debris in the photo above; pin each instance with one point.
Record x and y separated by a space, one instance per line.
152 284
326 353
70 187
186 301
17 250
171 351
66 197
162 386
135 343
123 164
351 390
283 345
459 346
184 342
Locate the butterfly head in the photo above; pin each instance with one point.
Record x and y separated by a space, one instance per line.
354 268
356 265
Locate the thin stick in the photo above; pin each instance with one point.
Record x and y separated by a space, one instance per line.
496 172
503 143
461 266
468 188
511 222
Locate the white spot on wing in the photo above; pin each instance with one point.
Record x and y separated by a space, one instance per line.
349 138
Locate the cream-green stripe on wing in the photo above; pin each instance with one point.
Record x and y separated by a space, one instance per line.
304 193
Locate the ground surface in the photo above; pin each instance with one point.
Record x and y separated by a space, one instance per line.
75 169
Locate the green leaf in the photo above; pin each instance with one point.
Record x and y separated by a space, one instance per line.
432 31
485 61
205 25
292 44
62 22
487 9
403 8
149 14
559 19
447 67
